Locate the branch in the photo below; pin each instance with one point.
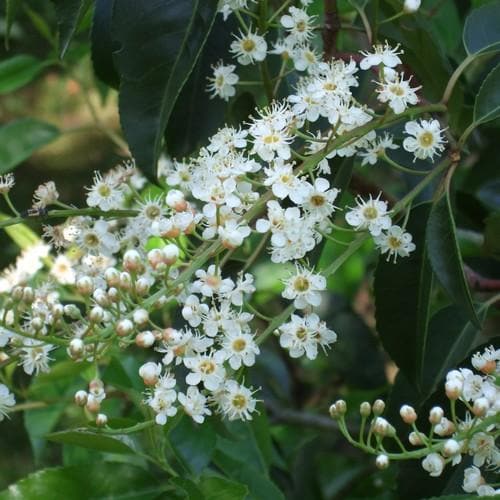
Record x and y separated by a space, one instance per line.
330 29
480 283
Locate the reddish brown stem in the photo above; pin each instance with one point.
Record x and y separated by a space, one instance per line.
330 29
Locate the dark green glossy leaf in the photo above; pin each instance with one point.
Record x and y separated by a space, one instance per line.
193 443
19 71
402 298
487 104
481 33
94 440
491 243
69 15
97 481
189 489
101 44
157 45
195 116
38 422
21 138
219 488
445 257
451 335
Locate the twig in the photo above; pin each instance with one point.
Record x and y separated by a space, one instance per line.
330 29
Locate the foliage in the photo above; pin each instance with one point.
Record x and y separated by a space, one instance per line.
407 130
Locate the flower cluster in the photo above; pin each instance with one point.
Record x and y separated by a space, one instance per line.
450 437
149 271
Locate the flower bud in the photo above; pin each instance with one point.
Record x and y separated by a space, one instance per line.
415 439
28 295
85 285
155 257
365 409
101 420
175 199
17 293
382 462
145 339
57 310
112 276
81 398
125 281
435 415
341 406
380 426
408 414
113 295
96 314
378 407
150 372
333 411
76 348
37 323
140 316
453 389
142 286
101 297
132 261
93 405
451 447
72 311
480 407
411 6
433 464
124 327
170 253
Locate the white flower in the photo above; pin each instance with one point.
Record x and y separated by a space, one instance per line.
226 140
236 401
472 479
193 311
305 287
223 81
5 335
370 215
194 404
398 93
162 404
482 447
304 58
395 242
232 234
248 48
226 7
303 335
433 464
210 282
181 345
63 271
486 362
7 182
238 348
7 400
35 356
485 490
97 239
104 193
411 6
204 368
376 148
425 139
244 284
298 24
45 194
382 54
281 178
319 198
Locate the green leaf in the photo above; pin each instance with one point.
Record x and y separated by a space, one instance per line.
445 257
21 138
219 488
19 71
86 438
21 234
481 33
158 44
487 104
11 8
491 243
98 481
69 16
188 488
451 335
402 297
195 116
193 443
38 422
101 44
41 25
